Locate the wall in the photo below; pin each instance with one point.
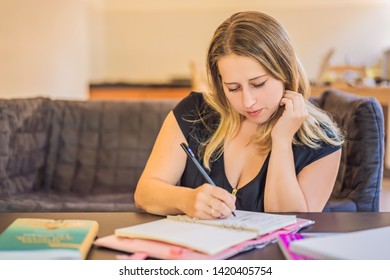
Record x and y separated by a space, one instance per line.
154 41
55 48
44 49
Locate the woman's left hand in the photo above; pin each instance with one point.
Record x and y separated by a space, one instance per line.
293 116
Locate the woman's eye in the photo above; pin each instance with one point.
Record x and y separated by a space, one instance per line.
259 85
233 89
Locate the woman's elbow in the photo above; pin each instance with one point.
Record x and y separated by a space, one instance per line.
138 197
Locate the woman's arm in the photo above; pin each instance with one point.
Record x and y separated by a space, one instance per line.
307 192
285 191
157 192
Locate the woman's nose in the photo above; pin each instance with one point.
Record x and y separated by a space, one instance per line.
247 98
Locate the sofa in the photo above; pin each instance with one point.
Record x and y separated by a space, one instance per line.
67 156
359 181
71 156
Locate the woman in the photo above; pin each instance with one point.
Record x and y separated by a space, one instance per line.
257 134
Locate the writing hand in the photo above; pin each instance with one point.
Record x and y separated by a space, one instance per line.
210 202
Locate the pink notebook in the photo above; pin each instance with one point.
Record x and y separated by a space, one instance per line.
143 248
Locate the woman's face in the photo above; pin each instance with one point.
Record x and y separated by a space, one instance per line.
251 91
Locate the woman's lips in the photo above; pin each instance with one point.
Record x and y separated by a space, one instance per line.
254 113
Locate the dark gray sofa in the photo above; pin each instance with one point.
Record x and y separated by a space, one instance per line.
75 155
88 156
359 181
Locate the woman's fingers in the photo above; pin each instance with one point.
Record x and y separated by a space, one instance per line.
294 104
297 99
213 202
293 116
219 209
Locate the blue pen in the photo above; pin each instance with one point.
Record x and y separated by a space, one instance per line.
191 155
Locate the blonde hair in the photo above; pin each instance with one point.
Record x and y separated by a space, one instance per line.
260 37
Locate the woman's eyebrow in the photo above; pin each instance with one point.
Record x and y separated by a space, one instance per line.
232 83
255 78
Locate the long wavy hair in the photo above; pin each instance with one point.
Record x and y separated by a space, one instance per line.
260 37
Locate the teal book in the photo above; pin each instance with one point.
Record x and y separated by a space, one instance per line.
45 239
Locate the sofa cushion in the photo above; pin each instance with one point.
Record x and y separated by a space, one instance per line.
101 147
24 125
340 205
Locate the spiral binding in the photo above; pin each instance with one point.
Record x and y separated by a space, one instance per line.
227 225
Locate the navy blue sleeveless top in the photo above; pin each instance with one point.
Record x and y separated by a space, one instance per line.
251 196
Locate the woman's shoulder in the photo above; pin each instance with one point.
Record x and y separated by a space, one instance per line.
194 114
189 105
194 98
304 154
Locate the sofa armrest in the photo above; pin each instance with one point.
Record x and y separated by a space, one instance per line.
361 168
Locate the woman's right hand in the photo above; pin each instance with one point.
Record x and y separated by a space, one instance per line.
210 202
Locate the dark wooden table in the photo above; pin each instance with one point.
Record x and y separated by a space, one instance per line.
109 221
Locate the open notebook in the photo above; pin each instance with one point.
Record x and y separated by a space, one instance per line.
144 248
208 236
369 244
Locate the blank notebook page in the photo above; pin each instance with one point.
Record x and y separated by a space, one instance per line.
199 237
261 223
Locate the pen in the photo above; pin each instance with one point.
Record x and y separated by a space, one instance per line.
191 155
